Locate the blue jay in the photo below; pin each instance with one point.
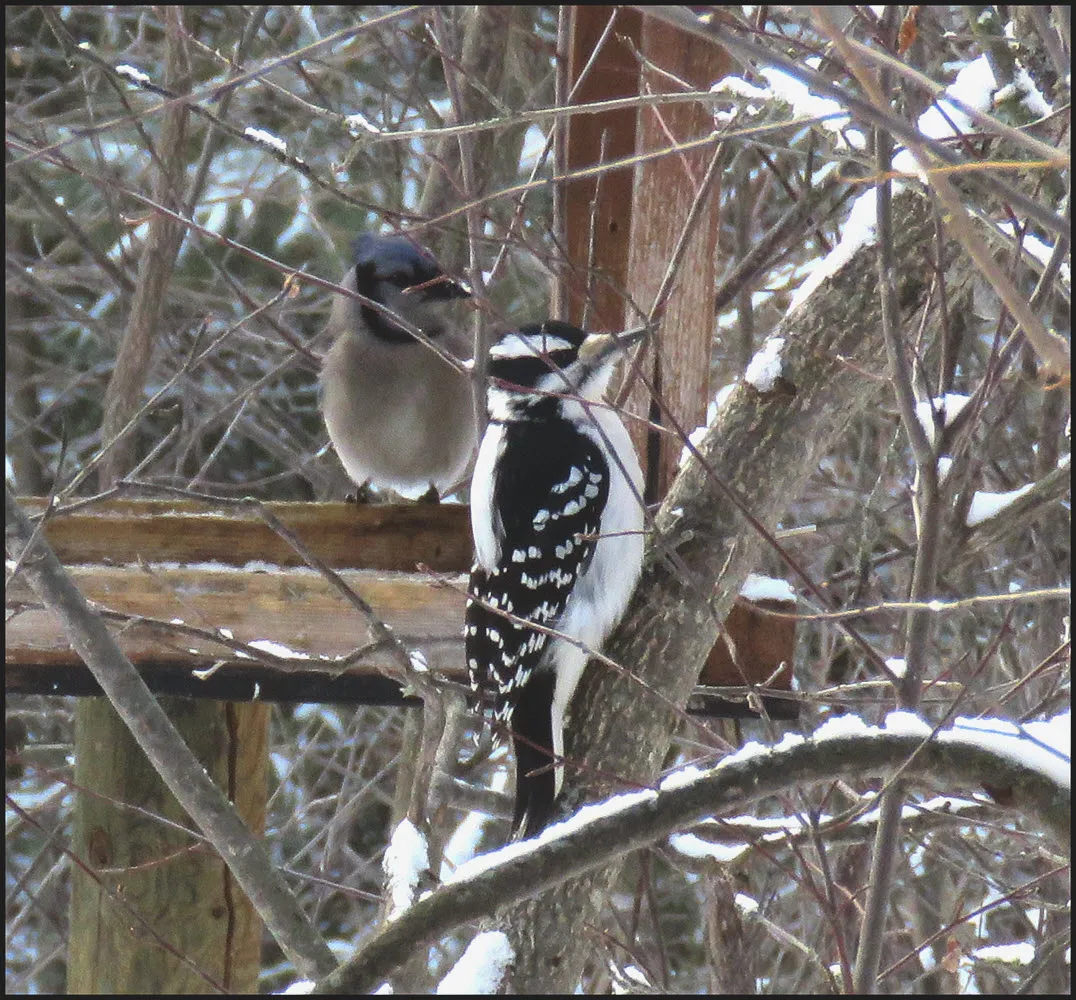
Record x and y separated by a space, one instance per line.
398 414
557 518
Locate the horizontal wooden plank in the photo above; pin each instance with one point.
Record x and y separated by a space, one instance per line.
343 535
295 613
162 568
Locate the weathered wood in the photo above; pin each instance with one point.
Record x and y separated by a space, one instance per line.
764 647
597 210
221 570
224 571
375 536
296 608
156 914
664 194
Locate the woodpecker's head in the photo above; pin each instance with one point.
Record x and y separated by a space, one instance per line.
403 276
529 364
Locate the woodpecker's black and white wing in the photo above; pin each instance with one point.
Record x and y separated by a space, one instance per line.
558 543
549 491
549 503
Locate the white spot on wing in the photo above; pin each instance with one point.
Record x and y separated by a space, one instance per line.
574 478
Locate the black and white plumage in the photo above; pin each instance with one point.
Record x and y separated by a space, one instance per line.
557 521
398 414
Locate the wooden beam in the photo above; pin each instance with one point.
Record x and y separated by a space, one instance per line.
664 195
597 210
183 582
343 535
162 569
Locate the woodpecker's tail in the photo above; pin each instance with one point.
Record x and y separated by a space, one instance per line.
532 738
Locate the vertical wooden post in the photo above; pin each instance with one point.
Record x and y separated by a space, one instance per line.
664 191
598 210
161 909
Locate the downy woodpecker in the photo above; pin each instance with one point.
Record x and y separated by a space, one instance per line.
556 513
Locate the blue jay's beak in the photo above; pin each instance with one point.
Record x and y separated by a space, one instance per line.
599 348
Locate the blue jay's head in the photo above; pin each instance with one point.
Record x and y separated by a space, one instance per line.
554 357
400 274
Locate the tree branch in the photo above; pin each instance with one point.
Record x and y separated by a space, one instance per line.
611 830
762 447
245 855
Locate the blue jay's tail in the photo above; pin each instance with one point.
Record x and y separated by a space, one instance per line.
532 738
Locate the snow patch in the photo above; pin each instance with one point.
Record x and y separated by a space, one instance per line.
278 649
132 74
987 505
974 86
745 903
693 846
609 807
1043 746
859 230
897 665
841 726
767 588
804 104
480 969
1021 953
358 122
943 408
764 369
406 858
260 136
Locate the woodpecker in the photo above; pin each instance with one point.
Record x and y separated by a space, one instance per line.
557 518
398 414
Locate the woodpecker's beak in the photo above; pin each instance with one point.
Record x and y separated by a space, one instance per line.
599 348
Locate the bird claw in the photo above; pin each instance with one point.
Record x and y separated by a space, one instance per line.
430 496
362 495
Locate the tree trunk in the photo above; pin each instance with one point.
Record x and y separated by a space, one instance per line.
764 446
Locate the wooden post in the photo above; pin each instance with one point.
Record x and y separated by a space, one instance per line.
159 912
598 209
665 190
622 232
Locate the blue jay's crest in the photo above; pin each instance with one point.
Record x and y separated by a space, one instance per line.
403 263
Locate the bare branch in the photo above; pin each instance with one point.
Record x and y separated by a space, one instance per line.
607 831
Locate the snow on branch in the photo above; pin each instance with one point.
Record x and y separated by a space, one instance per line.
406 859
1032 758
481 967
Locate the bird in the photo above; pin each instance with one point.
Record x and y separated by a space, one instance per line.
399 415
557 521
